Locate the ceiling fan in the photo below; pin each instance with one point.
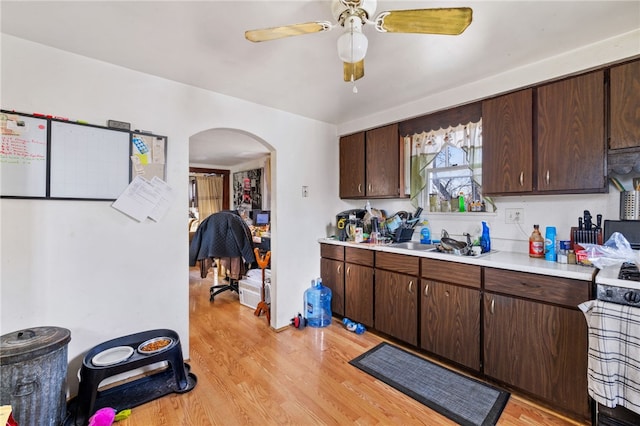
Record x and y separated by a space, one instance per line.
352 15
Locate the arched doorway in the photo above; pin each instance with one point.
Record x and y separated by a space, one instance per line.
228 152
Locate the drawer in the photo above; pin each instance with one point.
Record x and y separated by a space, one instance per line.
452 272
331 251
401 263
556 290
359 256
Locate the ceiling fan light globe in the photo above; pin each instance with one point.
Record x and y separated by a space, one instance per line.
352 46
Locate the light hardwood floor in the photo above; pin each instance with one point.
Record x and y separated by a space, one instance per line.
250 374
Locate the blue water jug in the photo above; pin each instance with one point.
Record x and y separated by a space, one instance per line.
317 301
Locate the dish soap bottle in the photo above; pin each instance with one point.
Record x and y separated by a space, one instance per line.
425 233
536 243
485 239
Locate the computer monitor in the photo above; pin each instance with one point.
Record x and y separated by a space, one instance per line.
262 217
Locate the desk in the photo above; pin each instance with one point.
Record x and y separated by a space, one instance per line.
175 378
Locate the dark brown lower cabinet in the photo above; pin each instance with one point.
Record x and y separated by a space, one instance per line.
450 322
332 273
535 346
396 305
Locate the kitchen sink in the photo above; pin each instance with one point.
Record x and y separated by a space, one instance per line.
414 245
435 250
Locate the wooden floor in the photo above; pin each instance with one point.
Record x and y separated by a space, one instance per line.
250 374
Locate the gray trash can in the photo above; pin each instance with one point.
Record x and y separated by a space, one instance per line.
33 369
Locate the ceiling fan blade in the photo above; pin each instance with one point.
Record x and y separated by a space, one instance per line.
355 69
448 21
275 33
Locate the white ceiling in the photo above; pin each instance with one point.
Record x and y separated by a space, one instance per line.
201 43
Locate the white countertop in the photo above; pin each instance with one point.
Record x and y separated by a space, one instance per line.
500 259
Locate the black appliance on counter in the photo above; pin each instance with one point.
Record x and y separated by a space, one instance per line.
629 228
353 216
621 287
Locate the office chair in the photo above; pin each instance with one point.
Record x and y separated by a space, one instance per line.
224 236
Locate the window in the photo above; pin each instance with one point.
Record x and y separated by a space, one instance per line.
446 164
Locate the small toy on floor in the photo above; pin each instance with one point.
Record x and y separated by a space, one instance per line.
353 326
106 416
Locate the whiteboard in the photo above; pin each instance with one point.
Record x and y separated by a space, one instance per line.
23 156
88 162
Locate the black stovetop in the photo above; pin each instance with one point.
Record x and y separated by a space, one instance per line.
629 271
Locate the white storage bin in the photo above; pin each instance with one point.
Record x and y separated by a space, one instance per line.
249 291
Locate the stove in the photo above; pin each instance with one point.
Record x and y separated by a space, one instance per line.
618 284
629 272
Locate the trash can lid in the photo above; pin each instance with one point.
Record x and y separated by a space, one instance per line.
30 343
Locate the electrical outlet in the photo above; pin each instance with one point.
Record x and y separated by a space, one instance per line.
514 216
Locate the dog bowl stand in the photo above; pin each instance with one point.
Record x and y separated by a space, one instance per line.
176 378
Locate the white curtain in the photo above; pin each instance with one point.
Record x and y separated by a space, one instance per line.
426 146
209 191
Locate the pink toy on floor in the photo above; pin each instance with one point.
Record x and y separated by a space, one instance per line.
103 417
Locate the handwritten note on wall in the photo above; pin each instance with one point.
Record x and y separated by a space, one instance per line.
23 156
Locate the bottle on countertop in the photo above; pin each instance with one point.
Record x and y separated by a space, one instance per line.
425 233
536 243
550 252
461 202
485 238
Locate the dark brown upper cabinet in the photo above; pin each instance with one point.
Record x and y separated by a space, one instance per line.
571 141
625 105
370 164
507 143
352 161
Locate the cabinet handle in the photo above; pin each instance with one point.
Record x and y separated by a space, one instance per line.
446 293
369 188
426 290
492 308
521 178
547 177
348 270
339 268
411 287
359 188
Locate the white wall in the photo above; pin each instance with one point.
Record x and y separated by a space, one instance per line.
83 265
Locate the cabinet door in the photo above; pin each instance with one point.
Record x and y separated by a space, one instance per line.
332 273
352 166
450 322
358 289
507 143
539 348
571 136
383 162
625 105
396 310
